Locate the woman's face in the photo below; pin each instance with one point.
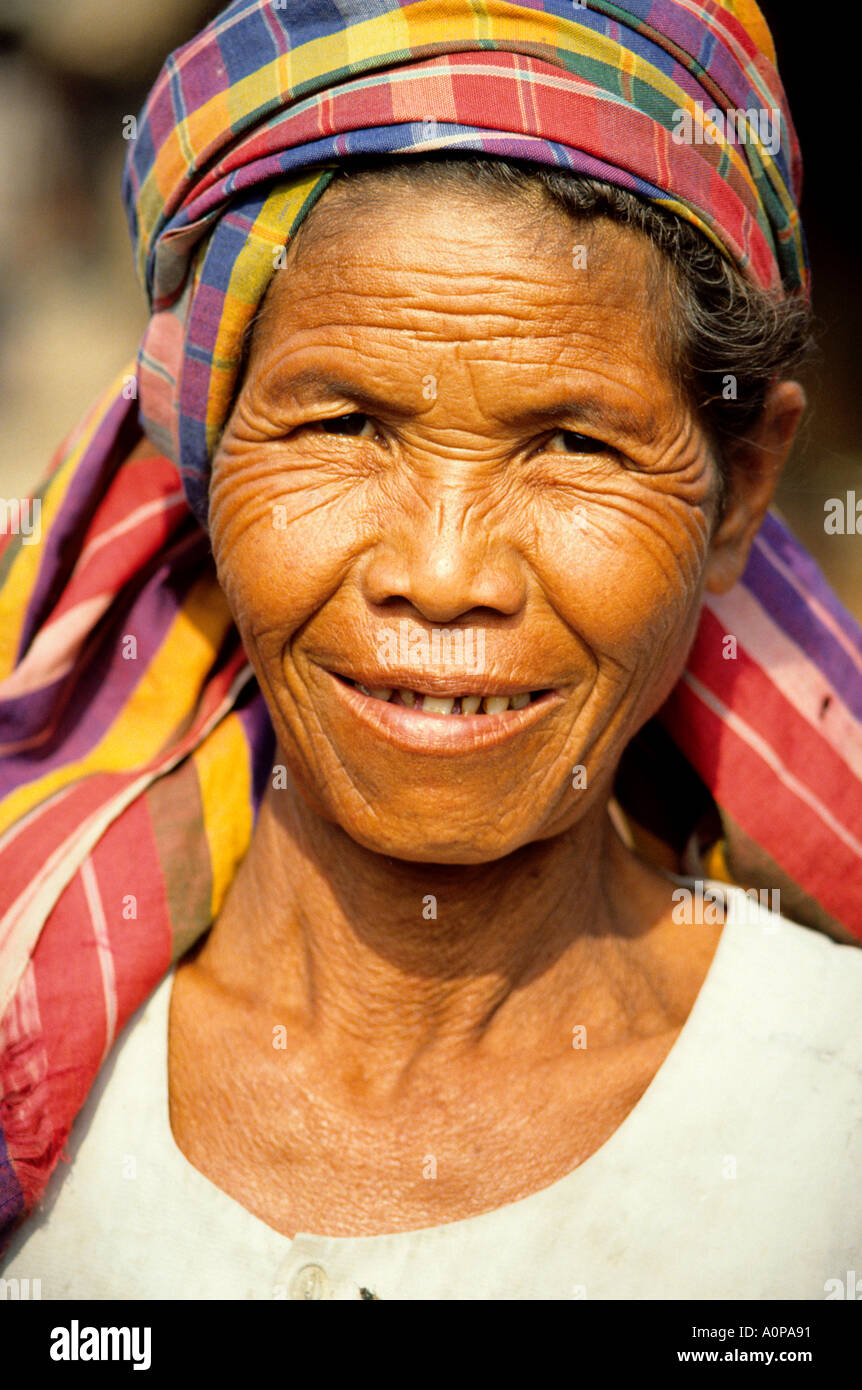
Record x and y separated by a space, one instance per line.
456 421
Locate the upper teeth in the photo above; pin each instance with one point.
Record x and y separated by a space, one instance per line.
445 704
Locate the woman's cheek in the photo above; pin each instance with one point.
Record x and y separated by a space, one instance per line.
279 556
628 576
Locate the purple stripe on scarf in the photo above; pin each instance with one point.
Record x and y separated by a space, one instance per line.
11 1196
257 726
112 441
794 555
87 701
798 619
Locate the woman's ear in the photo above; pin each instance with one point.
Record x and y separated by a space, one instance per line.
753 477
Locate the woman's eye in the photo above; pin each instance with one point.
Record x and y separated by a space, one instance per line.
570 442
353 424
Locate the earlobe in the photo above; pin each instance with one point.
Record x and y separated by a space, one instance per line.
754 472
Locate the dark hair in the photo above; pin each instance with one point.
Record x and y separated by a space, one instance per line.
725 339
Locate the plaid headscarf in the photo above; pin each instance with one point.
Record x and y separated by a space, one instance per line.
137 744
282 91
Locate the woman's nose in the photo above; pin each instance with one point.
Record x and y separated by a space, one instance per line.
446 559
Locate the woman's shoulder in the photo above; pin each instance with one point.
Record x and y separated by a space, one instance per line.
785 983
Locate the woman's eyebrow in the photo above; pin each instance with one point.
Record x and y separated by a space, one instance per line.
591 410
311 384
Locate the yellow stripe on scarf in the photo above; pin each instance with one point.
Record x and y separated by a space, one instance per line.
157 709
21 579
224 778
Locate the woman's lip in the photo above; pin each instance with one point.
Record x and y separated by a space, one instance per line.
418 731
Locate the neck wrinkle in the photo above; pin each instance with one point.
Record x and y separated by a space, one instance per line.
332 935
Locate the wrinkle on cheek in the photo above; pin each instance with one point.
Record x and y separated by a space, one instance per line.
264 519
275 580
626 577
676 556
638 529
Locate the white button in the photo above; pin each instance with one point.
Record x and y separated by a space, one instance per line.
310 1282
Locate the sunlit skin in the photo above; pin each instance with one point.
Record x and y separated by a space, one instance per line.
526 467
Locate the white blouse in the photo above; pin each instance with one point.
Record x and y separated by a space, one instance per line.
736 1175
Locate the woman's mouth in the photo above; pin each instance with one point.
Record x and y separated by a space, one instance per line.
450 704
446 723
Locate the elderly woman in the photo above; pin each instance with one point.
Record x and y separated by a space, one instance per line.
473 367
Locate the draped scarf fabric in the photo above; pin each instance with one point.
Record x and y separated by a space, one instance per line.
136 743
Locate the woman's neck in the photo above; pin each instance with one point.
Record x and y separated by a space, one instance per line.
344 944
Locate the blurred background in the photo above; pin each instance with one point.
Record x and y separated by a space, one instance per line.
71 310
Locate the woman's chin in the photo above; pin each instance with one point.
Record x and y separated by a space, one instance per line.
433 843
422 824
443 852
424 839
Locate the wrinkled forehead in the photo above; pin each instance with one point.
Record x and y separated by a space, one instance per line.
471 266
455 215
